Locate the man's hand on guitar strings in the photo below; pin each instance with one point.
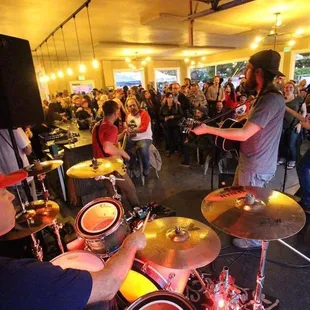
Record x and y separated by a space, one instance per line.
200 130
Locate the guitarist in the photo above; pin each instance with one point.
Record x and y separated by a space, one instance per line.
261 133
105 137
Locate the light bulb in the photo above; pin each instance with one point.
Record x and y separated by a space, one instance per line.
258 39
292 42
69 71
42 79
253 46
193 62
53 76
279 22
203 58
221 303
299 31
46 78
127 59
60 73
148 58
82 68
186 60
95 63
143 63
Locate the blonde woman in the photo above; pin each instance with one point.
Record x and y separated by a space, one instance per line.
101 101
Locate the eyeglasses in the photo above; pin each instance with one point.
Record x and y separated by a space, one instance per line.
170 97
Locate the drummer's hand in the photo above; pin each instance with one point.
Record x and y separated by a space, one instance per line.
135 241
201 130
124 155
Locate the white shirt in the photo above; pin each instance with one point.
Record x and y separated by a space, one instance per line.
8 162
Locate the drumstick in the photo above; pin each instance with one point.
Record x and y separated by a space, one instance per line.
145 221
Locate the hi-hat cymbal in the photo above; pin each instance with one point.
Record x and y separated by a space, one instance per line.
180 243
95 168
43 167
42 217
253 213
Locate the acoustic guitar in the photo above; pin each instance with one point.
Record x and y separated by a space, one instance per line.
226 144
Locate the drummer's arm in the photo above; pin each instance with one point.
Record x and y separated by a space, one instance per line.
107 282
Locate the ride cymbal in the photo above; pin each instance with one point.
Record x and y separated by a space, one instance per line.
43 167
253 213
180 243
43 216
94 168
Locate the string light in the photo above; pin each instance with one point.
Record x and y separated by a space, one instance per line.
291 42
95 61
82 67
59 73
254 46
69 70
53 75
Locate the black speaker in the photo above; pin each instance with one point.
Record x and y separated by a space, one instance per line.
20 102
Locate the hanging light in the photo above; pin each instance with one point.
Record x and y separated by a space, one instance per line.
46 78
53 75
148 58
186 60
203 58
258 39
95 61
278 20
82 67
253 46
299 31
127 59
59 72
292 43
69 70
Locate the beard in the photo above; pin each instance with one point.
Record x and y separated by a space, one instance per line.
251 83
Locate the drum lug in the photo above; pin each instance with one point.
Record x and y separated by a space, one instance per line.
168 284
144 267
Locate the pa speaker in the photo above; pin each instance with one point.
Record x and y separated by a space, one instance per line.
20 100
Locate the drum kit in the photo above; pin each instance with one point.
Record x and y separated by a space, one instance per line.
38 214
176 246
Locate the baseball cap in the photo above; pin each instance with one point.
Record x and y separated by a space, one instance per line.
268 60
12 178
76 97
203 110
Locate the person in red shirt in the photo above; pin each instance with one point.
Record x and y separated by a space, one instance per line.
107 134
230 98
139 125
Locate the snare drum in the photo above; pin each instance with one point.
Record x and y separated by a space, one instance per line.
102 225
162 300
146 277
82 260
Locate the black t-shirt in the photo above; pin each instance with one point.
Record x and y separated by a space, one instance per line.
30 284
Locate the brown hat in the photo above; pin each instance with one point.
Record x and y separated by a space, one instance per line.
268 60
76 97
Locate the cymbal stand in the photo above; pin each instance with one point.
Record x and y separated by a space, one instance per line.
113 180
257 303
56 231
25 214
37 249
46 194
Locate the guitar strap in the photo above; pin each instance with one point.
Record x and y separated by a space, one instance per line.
97 126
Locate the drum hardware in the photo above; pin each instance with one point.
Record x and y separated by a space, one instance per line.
43 167
37 249
24 215
113 180
56 228
255 213
168 287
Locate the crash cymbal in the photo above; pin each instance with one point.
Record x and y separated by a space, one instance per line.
253 213
42 217
95 167
180 243
43 167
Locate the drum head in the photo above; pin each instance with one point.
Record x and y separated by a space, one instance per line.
99 216
81 260
162 300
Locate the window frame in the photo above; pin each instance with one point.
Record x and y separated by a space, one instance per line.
167 69
129 70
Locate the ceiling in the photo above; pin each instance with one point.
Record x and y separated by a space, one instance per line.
155 28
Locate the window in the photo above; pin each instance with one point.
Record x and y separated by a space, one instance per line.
168 75
77 87
302 67
129 78
204 74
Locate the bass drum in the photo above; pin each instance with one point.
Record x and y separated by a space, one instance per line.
162 300
102 225
146 277
82 260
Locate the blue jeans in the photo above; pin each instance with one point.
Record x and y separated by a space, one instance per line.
142 147
251 179
293 145
303 171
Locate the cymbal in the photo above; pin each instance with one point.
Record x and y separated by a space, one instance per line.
40 219
253 213
180 243
43 167
95 167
